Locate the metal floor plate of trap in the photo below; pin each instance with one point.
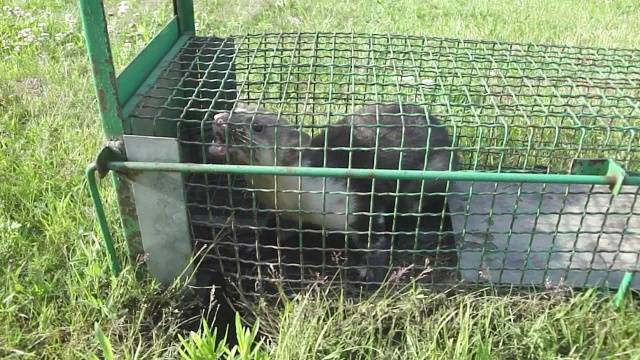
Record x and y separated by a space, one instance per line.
508 107
546 233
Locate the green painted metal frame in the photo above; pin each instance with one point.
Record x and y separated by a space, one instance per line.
124 166
603 179
114 94
153 75
602 167
99 50
91 174
141 67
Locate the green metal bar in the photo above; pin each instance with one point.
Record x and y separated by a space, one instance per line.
623 289
90 174
367 173
134 75
98 48
184 11
97 39
606 167
151 79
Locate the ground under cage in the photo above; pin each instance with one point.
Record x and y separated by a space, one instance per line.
544 192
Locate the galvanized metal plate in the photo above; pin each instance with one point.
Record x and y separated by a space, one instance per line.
160 203
546 234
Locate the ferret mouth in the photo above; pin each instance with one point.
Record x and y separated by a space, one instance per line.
218 148
224 137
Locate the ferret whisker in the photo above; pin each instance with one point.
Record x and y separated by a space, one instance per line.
246 139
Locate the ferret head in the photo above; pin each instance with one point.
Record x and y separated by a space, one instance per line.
249 137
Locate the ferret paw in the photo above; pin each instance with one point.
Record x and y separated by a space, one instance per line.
372 277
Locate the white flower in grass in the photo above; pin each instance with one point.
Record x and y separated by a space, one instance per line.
123 7
10 225
13 11
70 19
26 36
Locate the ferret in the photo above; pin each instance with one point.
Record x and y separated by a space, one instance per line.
405 138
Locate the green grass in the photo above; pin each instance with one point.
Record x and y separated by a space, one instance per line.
418 324
55 289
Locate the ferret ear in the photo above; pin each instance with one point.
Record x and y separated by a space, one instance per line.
245 107
300 134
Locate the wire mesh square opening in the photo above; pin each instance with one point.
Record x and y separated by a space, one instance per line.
506 108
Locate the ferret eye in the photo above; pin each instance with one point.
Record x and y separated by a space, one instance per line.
257 127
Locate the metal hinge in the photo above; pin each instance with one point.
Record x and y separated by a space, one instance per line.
113 150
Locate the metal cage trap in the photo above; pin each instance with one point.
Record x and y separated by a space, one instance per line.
545 189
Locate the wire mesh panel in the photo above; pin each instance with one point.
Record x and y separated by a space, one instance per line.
404 103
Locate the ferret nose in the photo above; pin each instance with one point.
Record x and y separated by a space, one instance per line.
220 119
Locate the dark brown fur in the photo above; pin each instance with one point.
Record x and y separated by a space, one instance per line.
418 132
403 132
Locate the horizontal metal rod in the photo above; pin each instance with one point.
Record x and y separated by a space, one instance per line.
125 166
